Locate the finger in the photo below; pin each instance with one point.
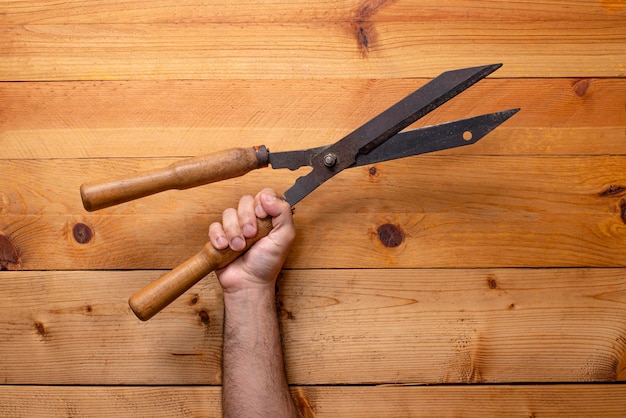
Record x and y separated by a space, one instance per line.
274 206
279 210
247 216
217 236
265 200
232 229
259 210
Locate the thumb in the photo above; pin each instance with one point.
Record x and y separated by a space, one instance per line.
268 204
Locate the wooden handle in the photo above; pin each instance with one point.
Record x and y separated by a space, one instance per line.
157 295
184 174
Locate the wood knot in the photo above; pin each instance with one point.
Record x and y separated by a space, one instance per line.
40 328
363 26
82 233
373 174
390 235
492 283
362 37
580 87
612 190
622 210
364 33
9 256
204 317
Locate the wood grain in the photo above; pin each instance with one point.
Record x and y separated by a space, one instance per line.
446 269
77 328
471 325
325 401
503 211
316 50
170 11
376 326
187 118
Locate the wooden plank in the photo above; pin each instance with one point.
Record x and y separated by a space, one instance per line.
141 11
103 401
430 211
422 184
469 325
375 326
324 401
437 240
303 51
77 328
183 118
181 142
462 401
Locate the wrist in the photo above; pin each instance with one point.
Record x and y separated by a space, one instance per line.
253 294
248 310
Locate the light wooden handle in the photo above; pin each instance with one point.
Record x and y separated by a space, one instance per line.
184 174
157 295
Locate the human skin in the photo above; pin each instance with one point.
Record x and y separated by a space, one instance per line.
253 372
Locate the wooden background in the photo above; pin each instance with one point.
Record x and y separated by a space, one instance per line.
505 292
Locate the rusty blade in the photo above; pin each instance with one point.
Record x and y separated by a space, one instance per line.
373 133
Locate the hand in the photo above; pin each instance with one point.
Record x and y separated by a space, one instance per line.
260 265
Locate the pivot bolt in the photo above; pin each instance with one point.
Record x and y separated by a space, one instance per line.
330 159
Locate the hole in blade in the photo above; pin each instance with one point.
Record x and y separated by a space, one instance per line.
467 135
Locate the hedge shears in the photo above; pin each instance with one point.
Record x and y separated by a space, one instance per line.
378 140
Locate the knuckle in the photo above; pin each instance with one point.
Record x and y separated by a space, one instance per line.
228 212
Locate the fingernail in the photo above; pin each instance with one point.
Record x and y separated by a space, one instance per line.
259 211
237 244
222 242
248 231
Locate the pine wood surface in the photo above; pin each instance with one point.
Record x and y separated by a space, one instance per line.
492 273
187 118
178 11
380 326
324 401
446 211
133 40
313 50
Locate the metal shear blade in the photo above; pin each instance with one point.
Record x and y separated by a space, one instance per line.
345 152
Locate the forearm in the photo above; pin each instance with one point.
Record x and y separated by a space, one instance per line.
254 382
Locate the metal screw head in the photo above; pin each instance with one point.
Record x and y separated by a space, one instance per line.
330 159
